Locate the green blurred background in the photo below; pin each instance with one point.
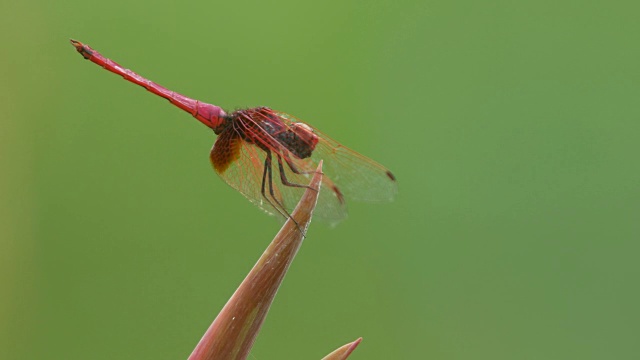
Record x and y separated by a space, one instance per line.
512 128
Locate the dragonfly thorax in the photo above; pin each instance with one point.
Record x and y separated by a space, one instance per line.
270 130
223 125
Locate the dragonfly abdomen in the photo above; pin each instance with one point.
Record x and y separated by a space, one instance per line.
208 114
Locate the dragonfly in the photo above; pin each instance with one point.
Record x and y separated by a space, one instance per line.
269 156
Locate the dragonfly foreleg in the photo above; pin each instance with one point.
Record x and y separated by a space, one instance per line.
294 168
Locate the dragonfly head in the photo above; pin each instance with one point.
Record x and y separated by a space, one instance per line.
306 134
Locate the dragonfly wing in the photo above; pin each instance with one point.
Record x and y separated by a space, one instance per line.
358 177
242 166
355 175
331 207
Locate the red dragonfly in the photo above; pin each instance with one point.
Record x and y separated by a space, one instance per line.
268 156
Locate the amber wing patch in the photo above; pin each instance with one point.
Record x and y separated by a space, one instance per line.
226 150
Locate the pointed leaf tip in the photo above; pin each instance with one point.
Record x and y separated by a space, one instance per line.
344 351
233 332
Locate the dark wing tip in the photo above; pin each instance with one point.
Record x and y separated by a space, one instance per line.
391 176
338 194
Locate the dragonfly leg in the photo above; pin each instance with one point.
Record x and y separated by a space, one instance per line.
283 176
293 166
295 169
267 172
280 207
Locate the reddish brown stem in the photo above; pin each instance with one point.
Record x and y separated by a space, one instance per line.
232 333
344 351
208 114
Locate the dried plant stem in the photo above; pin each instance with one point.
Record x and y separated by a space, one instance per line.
233 332
344 351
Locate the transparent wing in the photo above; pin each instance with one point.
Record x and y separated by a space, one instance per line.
356 176
278 189
240 166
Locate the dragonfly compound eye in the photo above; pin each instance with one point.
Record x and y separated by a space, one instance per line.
306 134
299 139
